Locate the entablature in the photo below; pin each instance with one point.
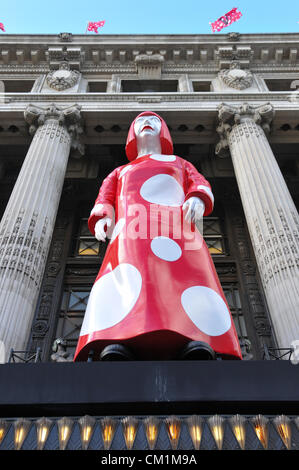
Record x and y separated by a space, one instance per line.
113 53
192 116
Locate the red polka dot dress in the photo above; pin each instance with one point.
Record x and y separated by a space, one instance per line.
157 288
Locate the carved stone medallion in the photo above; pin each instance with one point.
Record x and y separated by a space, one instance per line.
63 78
235 77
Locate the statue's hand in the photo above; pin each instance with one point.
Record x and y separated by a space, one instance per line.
99 228
194 208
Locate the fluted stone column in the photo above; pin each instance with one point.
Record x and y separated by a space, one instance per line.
270 212
28 221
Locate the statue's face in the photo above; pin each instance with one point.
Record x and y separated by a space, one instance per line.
145 125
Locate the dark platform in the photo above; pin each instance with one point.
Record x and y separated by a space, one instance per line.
166 387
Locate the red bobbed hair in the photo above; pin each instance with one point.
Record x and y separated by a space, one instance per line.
165 138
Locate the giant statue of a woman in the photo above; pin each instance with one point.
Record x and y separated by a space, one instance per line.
157 294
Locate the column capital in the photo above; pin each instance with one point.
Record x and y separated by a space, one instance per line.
230 116
69 117
261 114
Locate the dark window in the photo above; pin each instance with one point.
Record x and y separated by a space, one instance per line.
73 305
201 86
18 86
232 295
214 236
281 84
87 244
149 86
97 87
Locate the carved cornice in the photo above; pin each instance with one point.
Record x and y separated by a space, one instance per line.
230 116
83 50
130 67
197 99
67 37
233 36
149 65
69 117
227 53
149 59
74 55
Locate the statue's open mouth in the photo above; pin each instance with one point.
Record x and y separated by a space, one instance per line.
147 127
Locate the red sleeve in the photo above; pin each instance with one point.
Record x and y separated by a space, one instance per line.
197 185
105 202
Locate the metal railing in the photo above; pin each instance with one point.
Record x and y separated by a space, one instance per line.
270 354
24 356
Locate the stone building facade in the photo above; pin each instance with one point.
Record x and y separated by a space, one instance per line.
231 103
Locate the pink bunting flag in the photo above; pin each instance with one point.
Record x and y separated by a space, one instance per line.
94 25
226 20
2 27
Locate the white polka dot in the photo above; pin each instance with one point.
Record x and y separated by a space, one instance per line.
124 170
112 298
207 310
117 229
166 248
163 158
163 189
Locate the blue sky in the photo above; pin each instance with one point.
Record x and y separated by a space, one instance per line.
146 17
